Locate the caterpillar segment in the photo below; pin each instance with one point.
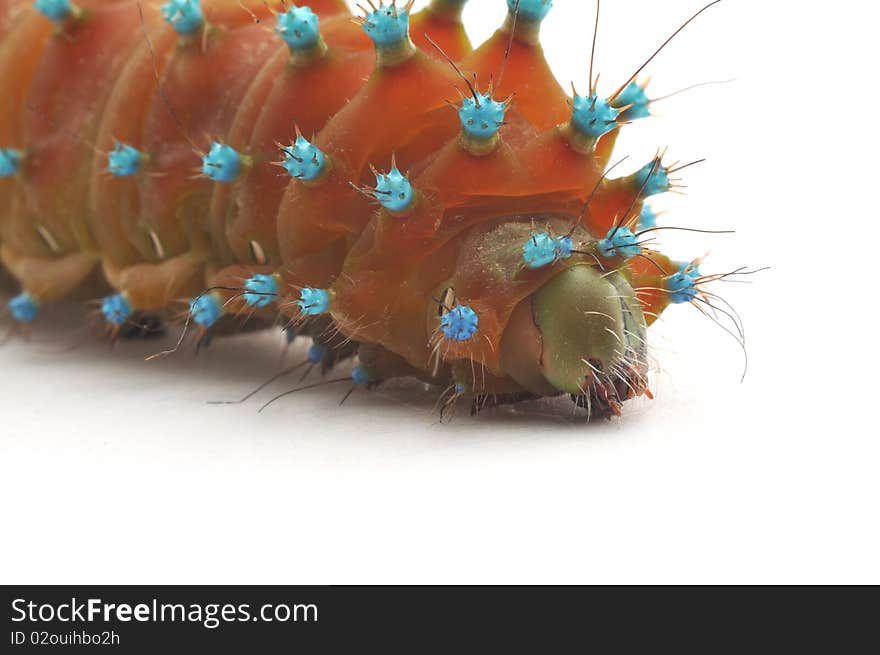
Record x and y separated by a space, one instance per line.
369 181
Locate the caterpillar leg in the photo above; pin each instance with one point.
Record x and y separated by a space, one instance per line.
151 288
43 280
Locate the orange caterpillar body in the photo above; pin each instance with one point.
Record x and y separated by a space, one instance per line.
268 160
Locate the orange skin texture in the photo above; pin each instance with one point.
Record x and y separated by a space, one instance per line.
21 48
324 8
647 279
399 110
67 81
443 26
385 118
68 104
172 203
205 88
116 201
10 12
284 96
527 75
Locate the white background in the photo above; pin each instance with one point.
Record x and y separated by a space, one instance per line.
115 470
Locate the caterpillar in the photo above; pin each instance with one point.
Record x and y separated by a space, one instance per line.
371 182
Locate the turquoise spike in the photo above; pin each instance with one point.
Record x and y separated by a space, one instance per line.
647 218
124 160
654 182
303 160
620 242
530 10
222 163
360 376
298 27
393 191
691 268
460 323
206 309
593 116
314 302
637 101
10 162
541 249
318 353
117 310
55 10
24 307
682 286
263 290
481 116
388 25
564 247
185 16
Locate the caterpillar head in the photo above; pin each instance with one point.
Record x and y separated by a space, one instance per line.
571 322
581 333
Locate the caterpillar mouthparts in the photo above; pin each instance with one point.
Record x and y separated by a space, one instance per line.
224 158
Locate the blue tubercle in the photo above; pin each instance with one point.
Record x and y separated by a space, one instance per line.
206 309
314 302
117 310
691 269
24 307
647 218
262 290
298 27
620 242
10 162
393 191
593 116
635 99
564 247
318 353
682 286
460 323
387 25
54 10
531 10
653 178
360 376
303 160
185 16
124 160
481 116
460 388
541 249
222 163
